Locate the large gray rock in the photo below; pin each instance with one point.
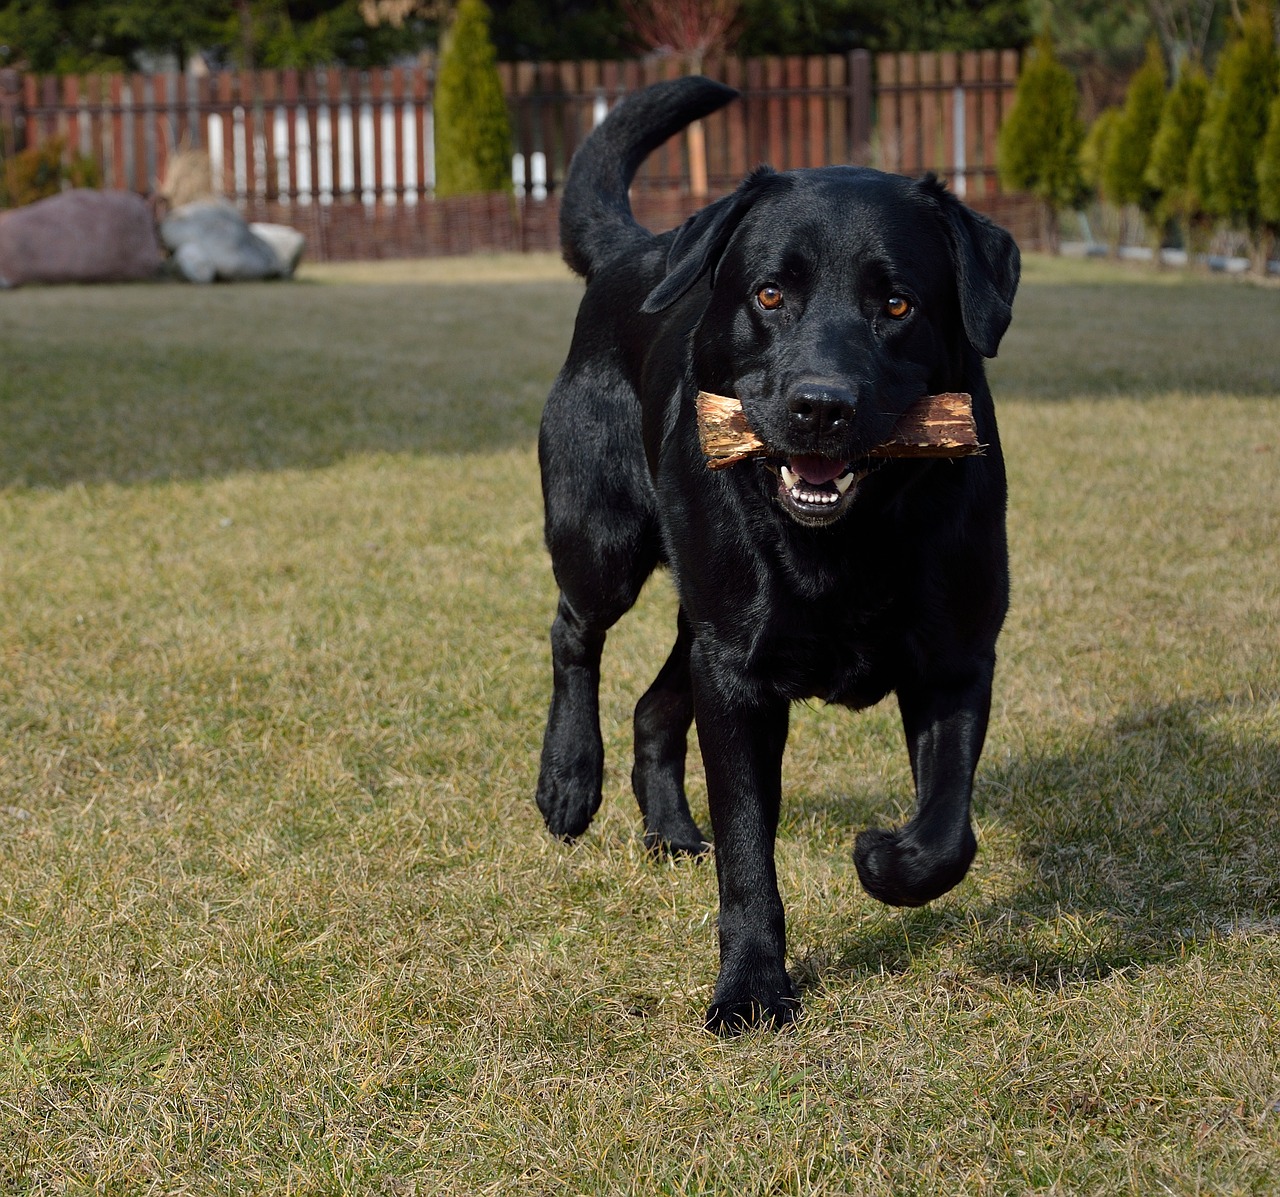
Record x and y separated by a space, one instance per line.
79 237
211 240
287 243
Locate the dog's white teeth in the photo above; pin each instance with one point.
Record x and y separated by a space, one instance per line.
844 482
790 478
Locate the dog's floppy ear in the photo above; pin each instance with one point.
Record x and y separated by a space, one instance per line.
987 266
701 240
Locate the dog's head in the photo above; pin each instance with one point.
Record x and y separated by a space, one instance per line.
837 298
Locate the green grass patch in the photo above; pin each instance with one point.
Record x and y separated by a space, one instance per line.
276 908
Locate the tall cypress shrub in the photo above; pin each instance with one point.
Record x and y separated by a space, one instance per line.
1269 178
1235 122
1093 154
1124 162
472 128
1169 165
1039 144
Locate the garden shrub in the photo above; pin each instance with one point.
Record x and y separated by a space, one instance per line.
472 127
1169 163
40 171
1039 144
1235 122
1128 148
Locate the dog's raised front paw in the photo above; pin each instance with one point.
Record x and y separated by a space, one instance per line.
897 870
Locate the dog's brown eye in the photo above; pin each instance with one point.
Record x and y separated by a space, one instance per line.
769 298
897 307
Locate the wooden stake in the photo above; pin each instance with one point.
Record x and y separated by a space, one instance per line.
935 426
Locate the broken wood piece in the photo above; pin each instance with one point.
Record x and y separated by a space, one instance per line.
935 426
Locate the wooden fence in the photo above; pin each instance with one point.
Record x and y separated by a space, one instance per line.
347 155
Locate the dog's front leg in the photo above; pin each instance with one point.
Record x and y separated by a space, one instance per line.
742 741
945 724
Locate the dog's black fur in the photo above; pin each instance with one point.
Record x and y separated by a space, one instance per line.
789 294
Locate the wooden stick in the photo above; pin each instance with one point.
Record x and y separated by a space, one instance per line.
935 426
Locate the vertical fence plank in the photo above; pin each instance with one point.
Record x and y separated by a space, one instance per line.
931 157
310 102
909 110
11 108
970 75
815 70
97 149
525 125
774 83
861 97
794 147
70 104
376 99
355 102
115 112
1009 63
889 151
162 91
569 98
224 106
547 86
947 115
836 149
292 144
990 118
399 111
265 106
40 107
204 102
421 102
247 116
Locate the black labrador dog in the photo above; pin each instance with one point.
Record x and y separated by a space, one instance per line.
827 301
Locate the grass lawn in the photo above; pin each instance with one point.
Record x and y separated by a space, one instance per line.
277 912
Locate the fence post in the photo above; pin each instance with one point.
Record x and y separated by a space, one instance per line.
12 119
860 114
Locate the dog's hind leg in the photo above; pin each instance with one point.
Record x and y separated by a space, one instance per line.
663 718
572 768
945 724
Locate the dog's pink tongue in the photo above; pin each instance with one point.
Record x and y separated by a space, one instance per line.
817 470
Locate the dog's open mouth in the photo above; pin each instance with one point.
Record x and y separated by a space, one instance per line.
816 490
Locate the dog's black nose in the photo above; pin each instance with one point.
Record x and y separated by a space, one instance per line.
819 409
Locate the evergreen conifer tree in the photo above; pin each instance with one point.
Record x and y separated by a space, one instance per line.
1169 165
1093 155
472 127
1039 144
1235 122
1124 163
1269 178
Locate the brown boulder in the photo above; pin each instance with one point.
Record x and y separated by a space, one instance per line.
79 237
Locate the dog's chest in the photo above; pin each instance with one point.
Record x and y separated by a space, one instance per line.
839 655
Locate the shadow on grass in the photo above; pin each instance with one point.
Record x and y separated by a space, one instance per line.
1162 829
171 382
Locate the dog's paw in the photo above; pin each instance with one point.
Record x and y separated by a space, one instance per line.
676 837
898 871
761 1003
567 808
733 1018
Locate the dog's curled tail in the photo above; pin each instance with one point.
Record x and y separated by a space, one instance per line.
595 214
